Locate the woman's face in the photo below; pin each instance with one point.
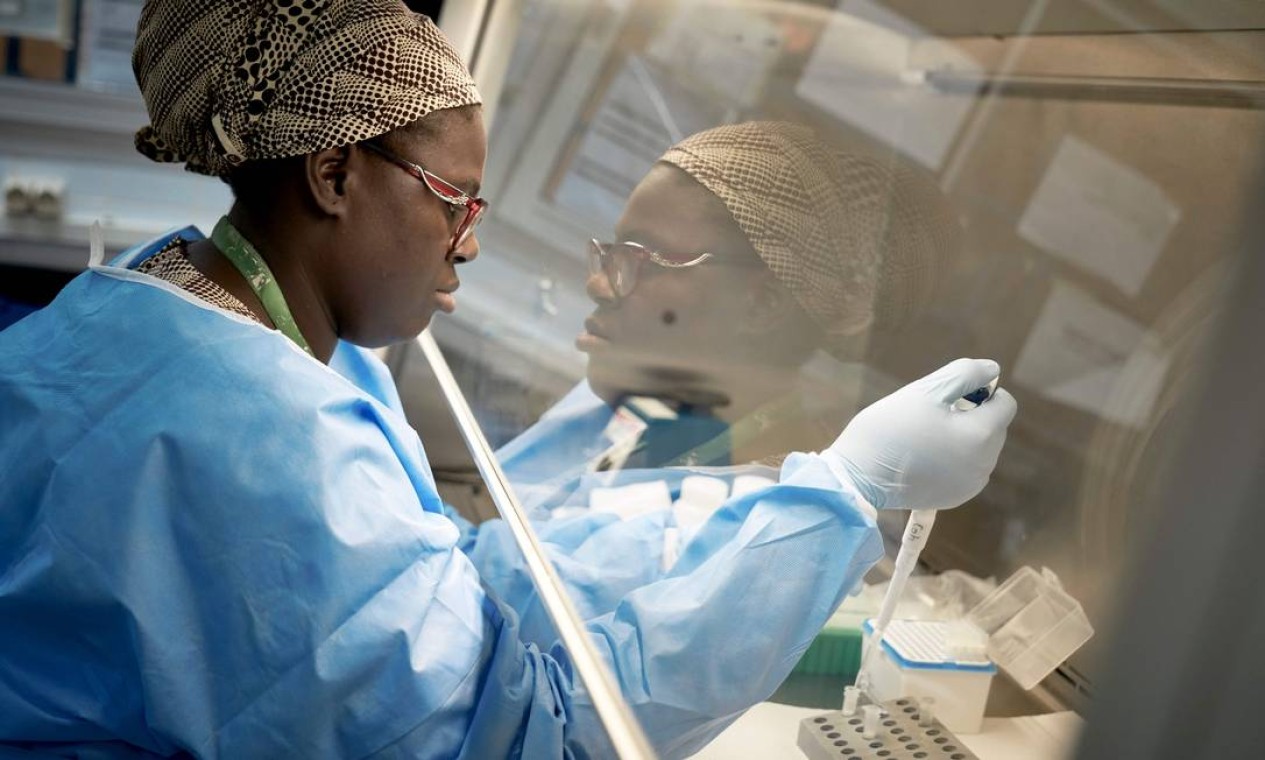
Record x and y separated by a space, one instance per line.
399 267
680 333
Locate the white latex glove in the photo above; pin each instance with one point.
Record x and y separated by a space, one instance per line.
913 450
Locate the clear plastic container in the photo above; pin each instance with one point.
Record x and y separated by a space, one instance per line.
1033 625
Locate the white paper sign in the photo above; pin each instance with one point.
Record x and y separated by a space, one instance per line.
36 19
1089 357
1099 214
860 73
106 42
641 115
719 49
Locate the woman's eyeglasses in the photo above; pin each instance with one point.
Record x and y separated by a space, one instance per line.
444 190
622 262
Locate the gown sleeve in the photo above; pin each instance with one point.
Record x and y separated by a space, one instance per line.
307 606
264 569
776 563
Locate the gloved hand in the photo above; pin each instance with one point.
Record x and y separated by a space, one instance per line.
913 450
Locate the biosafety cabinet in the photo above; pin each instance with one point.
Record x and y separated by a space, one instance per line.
1097 168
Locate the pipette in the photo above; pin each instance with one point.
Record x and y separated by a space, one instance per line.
977 396
916 532
915 537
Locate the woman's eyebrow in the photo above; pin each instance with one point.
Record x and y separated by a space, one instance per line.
640 237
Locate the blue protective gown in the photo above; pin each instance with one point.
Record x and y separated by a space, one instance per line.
212 544
545 462
599 557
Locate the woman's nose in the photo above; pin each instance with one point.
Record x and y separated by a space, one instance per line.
598 287
467 251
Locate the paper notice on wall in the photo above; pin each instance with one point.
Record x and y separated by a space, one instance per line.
1102 215
718 49
37 19
641 115
1082 354
860 73
106 42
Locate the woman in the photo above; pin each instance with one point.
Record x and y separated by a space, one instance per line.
212 543
744 253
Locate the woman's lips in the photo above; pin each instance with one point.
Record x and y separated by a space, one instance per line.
591 337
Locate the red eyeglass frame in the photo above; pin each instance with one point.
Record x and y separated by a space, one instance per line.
443 190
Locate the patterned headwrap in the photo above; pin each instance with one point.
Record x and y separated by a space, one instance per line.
228 81
858 241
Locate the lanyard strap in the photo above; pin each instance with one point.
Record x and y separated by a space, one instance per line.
741 432
247 260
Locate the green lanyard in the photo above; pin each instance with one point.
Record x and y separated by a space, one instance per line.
741 432
243 255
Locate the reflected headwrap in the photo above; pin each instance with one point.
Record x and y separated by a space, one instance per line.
859 241
228 81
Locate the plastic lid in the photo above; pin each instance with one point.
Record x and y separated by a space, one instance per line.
1032 624
923 645
963 640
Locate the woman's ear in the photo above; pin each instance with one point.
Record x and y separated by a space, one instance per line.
775 326
328 175
770 307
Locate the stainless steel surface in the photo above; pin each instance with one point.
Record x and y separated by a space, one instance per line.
53 245
622 728
1154 90
1002 17
51 105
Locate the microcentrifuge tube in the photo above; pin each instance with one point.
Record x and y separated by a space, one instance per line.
926 711
851 694
869 728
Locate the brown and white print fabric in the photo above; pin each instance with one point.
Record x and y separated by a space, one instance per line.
172 264
229 81
858 240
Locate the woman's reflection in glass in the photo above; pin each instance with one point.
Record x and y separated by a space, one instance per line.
743 252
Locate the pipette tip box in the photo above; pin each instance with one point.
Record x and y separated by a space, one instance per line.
926 659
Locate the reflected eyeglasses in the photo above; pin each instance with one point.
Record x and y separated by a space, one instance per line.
444 190
621 262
